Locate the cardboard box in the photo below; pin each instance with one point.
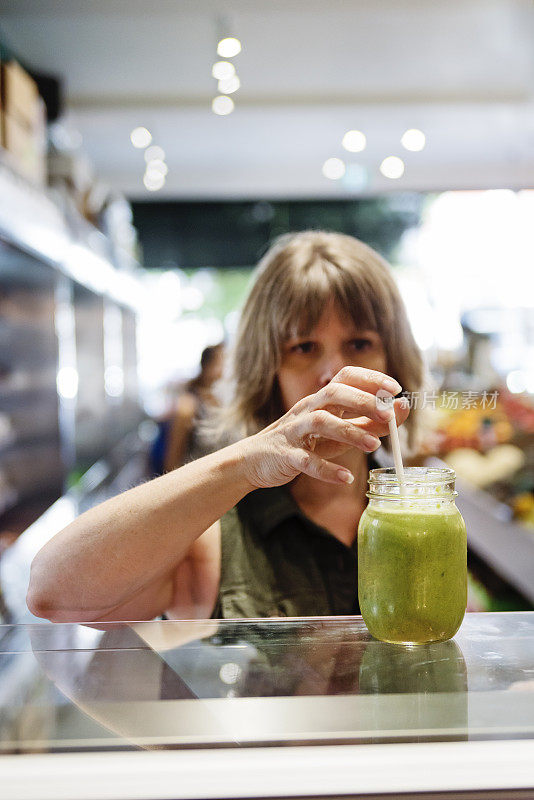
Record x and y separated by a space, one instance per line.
26 148
20 97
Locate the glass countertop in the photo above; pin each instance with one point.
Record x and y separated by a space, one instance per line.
196 684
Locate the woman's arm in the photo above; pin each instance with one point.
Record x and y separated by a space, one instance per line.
125 552
120 559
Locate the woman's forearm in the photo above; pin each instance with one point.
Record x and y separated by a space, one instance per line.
133 541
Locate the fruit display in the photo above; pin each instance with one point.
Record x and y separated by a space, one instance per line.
523 507
482 470
488 439
479 425
519 408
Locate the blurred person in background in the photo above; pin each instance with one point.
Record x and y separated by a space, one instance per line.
180 436
186 441
267 525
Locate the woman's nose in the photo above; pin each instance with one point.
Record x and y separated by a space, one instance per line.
330 366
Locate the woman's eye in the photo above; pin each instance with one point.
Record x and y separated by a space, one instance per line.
302 347
361 344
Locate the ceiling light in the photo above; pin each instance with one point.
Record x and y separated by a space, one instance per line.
222 70
413 139
354 141
154 153
392 167
222 105
153 181
229 85
140 137
333 168
157 167
229 47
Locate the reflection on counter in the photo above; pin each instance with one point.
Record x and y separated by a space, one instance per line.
422 671
186 684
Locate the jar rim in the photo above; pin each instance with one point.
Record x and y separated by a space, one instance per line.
420 483
427 476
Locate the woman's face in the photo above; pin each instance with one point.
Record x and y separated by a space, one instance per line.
310 362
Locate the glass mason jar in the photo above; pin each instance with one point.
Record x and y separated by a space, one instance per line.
412 557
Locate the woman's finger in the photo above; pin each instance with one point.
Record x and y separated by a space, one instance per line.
322 423
311 464
402 411
371 380
353 402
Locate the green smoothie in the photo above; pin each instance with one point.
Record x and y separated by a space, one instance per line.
412 570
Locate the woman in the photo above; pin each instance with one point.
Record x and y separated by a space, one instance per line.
266 525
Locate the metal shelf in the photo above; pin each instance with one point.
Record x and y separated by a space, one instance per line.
33 222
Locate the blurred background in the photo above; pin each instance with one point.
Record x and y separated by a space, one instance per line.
150 154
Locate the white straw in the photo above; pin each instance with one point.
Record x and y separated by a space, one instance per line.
385 400
397 458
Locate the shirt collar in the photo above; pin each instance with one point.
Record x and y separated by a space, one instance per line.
265 509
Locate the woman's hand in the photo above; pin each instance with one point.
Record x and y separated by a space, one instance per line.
342 415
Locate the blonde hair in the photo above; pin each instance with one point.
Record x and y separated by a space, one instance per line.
295 280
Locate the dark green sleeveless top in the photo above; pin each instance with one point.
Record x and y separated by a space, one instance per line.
275 562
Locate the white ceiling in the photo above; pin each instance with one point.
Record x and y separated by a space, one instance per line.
461 70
